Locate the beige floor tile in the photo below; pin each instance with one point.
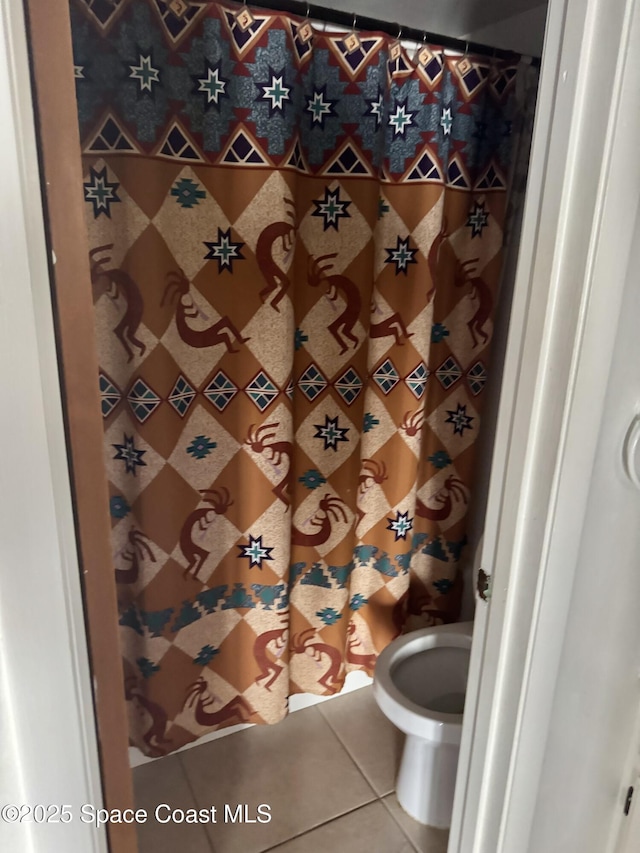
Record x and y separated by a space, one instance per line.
367 735
163 781
298 767
425 839
369 829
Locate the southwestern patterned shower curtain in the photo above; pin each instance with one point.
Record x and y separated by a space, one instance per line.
295 247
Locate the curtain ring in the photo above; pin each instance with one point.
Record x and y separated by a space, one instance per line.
493 71
464 65
395 49
305 30
420 48
352 41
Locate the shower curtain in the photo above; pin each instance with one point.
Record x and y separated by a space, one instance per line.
295 247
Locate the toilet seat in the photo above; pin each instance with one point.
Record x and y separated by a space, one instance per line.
408 715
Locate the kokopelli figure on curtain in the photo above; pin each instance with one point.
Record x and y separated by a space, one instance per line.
222 332
135 551
197 522
278 281
330 508
267 650
412 422
258 439
433 258
154 735
303 643
118 283
453 488
338 285
480 291
393 326
199 697
373 473
365 661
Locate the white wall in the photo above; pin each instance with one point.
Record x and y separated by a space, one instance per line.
510 24
598 688
523 32
567 578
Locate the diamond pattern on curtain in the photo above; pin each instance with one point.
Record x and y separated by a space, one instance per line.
295 254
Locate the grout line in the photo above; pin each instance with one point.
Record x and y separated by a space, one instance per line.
318 826
194 798
315 710
352 757
376 797
187 779
399 825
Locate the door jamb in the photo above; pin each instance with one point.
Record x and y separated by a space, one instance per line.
554 301
53 90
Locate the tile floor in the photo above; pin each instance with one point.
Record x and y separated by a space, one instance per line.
326 771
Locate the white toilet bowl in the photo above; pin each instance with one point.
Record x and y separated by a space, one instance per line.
419 683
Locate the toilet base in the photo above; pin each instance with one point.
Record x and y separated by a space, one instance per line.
427 780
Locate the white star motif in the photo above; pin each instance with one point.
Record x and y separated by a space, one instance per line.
332 208
402 255
255 551
446 121
375 109
459 419
400 119
101 192
277 93
318 107
331 433
400 525
212 85
478 220
129 454
225 251
145 73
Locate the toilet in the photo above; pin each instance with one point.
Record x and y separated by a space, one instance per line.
419 683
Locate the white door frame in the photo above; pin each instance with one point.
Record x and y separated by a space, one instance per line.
540 468
577 229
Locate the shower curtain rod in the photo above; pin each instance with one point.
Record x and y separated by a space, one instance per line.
353 20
